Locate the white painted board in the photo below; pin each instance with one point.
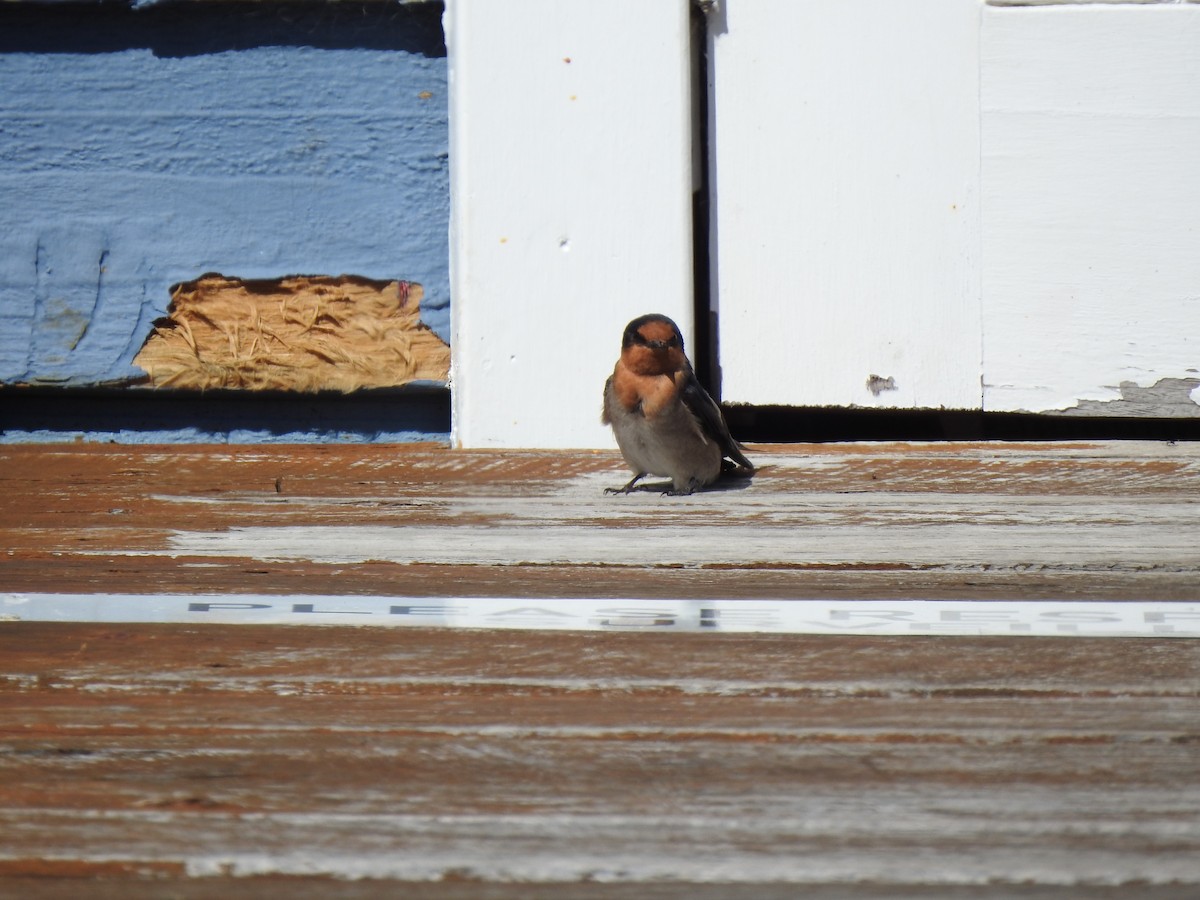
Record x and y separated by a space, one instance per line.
768 615
846 177
571 184
1091 205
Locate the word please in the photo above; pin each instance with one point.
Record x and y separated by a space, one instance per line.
1098 618
744 615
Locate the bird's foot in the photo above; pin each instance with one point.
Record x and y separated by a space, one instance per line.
628 487
692 484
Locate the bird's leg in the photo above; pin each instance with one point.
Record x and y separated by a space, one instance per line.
628 487
692 484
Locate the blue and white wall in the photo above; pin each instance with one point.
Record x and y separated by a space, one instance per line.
144 147
994 209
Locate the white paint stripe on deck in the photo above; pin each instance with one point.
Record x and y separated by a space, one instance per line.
772 616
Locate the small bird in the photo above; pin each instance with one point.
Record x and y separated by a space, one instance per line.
664 421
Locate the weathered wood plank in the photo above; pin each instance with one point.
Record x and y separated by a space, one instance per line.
883 520
245 760
157 751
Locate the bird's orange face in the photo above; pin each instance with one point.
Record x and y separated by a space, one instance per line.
654 348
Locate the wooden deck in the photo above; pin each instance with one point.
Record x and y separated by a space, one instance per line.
149 760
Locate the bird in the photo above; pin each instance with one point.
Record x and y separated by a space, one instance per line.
664 421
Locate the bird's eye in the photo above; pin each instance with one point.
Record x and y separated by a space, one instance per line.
640 340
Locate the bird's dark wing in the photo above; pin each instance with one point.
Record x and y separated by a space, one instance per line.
604 419
706 411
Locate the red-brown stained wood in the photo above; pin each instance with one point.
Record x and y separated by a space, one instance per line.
242 761
150 752
1102 521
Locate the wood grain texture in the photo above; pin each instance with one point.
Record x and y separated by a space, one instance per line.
440 756
141 760
867 520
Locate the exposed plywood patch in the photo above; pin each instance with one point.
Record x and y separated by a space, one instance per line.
300 333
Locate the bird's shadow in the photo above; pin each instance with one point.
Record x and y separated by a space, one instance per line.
737 479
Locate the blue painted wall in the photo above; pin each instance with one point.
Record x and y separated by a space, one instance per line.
144 147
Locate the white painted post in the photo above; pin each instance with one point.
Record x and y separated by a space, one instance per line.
846 140
571 181
1091 206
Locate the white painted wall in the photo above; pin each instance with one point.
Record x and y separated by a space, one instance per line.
846 154
571 181
994 206
1091 202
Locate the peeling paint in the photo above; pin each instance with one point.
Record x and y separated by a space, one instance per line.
877 384
1166 398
